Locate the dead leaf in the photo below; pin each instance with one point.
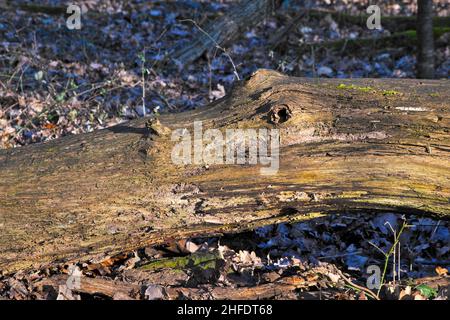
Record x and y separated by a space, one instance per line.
22 101
312 277
154 292
49 126
104 266
362 296
249 258
191 247
131 263
333 277
418 296
121 296
441 271
296 281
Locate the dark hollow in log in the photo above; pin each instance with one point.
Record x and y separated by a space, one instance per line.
346 145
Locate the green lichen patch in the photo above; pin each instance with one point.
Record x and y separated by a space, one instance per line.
388 93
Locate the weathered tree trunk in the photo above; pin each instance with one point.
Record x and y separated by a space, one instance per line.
425 57
346 145
226 28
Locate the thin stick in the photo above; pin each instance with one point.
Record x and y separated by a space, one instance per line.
387 255
399 264
216 44
143 82
349 282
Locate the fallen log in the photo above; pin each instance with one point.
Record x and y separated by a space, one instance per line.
283 288
93 286
406 39
346 145
225 28
394 23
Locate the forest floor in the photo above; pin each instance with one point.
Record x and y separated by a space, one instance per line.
55 82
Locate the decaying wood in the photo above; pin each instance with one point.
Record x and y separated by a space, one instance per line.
435 282
402 30
283 288
346 145
93 286
225 28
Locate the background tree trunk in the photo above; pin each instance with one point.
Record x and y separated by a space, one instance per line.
425 58
346 145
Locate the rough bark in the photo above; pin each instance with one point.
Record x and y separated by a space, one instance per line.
425 57
345 147
225 28
283 288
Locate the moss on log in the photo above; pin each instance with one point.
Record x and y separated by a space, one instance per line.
203 260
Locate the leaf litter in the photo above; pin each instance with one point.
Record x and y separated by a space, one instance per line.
330 255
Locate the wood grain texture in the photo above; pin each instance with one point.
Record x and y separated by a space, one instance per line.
345 147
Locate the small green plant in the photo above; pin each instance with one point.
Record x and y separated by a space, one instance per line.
72 85
73 115
53 117
426 291
392 252
61 96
